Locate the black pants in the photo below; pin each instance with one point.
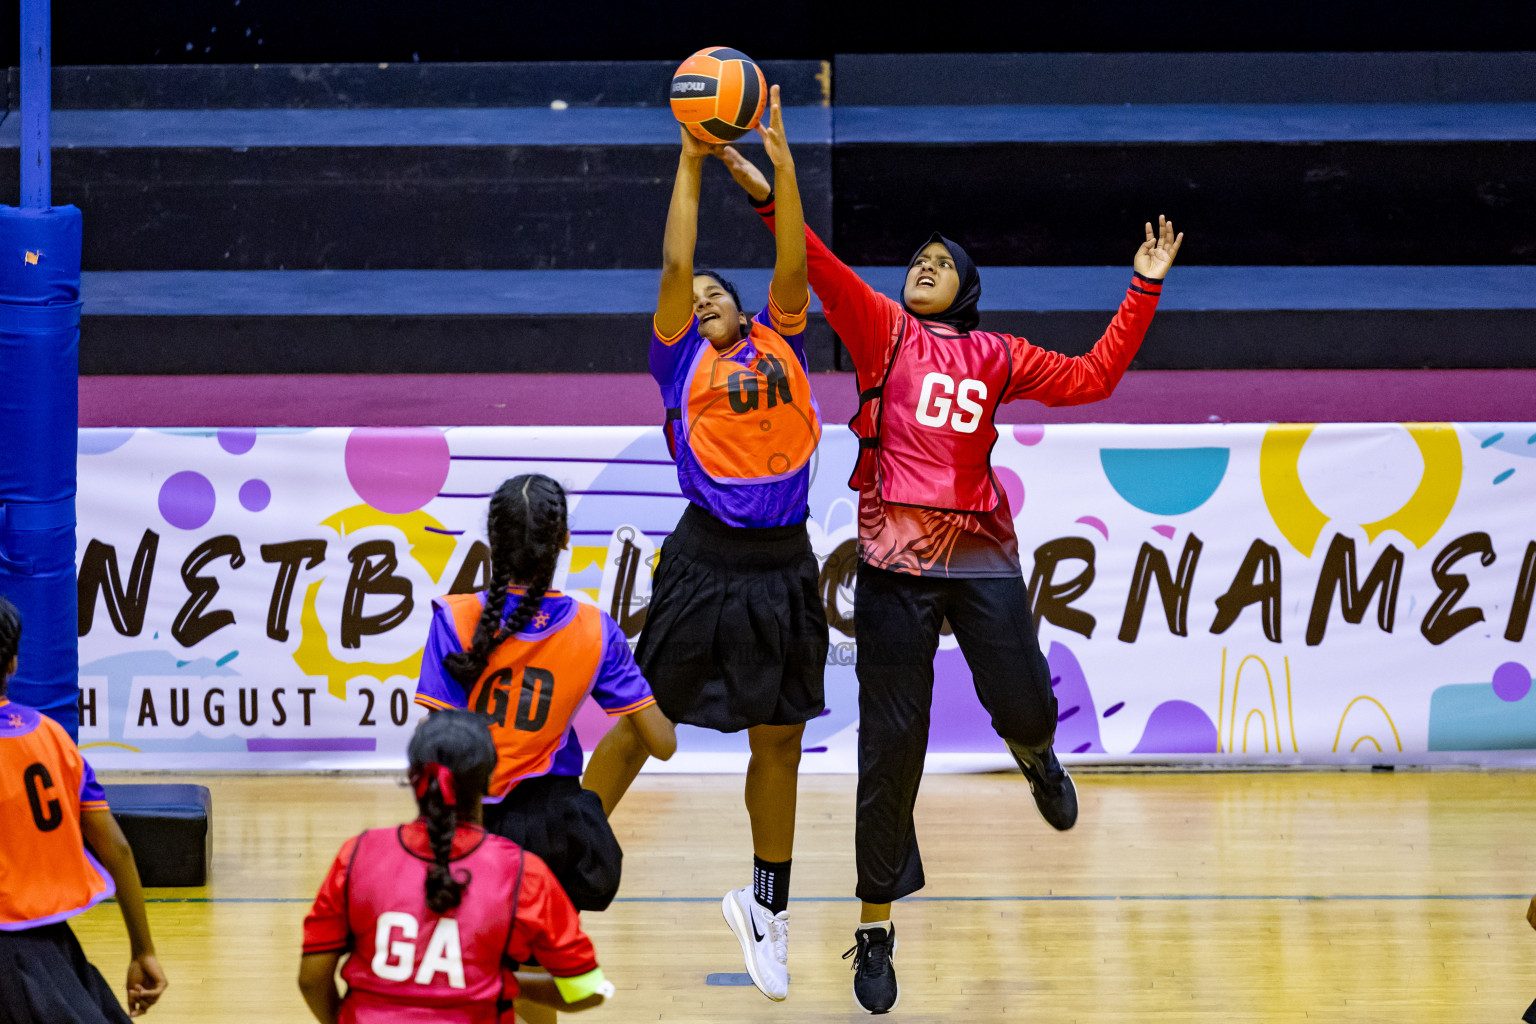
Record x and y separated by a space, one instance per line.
897 618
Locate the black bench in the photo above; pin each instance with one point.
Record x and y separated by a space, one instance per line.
168 828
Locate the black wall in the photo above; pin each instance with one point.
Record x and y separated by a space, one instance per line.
313 31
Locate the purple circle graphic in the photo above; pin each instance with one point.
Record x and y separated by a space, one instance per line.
1013 487
255 495
1028 433
186 500
237 442
397 469
1511 681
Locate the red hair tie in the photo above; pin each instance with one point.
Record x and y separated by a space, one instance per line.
433 770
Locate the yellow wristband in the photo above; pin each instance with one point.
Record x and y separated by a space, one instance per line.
574 990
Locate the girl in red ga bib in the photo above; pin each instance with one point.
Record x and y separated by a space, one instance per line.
434 916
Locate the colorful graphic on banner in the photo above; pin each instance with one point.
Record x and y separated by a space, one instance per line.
260 598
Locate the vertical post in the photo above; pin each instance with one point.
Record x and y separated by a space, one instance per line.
39 402
36 56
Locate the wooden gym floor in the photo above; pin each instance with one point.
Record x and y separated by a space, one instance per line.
1340 896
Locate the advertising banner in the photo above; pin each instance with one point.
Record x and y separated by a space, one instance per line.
259 599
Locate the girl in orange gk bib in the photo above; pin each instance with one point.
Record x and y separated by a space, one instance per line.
435 915
735 635
526 657
50 806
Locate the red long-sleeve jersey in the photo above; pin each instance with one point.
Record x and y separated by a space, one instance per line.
408 964
930 543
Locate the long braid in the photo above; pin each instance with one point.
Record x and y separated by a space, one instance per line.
537 556
466 667
460 742
527 527
444 891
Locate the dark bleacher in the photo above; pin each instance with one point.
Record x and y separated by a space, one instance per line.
384 321
595 321
421 218
1348 165
460 167
506 167
1311 159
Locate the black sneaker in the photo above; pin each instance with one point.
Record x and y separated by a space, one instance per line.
874 979
1055 793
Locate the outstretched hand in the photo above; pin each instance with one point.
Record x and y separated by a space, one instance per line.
1157 253
775 144
695 147
745 172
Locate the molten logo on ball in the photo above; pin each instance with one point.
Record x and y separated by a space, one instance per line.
718 94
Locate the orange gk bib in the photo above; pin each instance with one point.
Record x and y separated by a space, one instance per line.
750 421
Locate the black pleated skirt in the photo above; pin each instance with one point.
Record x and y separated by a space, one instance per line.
552 816
736 632
45 978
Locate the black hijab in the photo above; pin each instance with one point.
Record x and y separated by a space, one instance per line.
962 313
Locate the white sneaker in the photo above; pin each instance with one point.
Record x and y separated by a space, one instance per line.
764 939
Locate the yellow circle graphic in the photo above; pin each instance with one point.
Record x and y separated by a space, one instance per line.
1300 520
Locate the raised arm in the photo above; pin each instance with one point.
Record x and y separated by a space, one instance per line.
862 317
791 287
1055 379
674 304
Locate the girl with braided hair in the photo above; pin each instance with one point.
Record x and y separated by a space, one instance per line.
436 915
525 657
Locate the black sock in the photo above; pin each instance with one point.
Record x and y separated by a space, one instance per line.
770 884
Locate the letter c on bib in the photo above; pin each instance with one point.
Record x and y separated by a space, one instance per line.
933 410
966 401
394 959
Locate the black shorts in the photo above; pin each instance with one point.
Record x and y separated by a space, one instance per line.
552 816
45 977
736 633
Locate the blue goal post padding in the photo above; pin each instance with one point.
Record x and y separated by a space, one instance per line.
39 416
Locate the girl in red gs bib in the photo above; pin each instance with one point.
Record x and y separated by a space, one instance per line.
434 916
936 534
526 657
51 806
